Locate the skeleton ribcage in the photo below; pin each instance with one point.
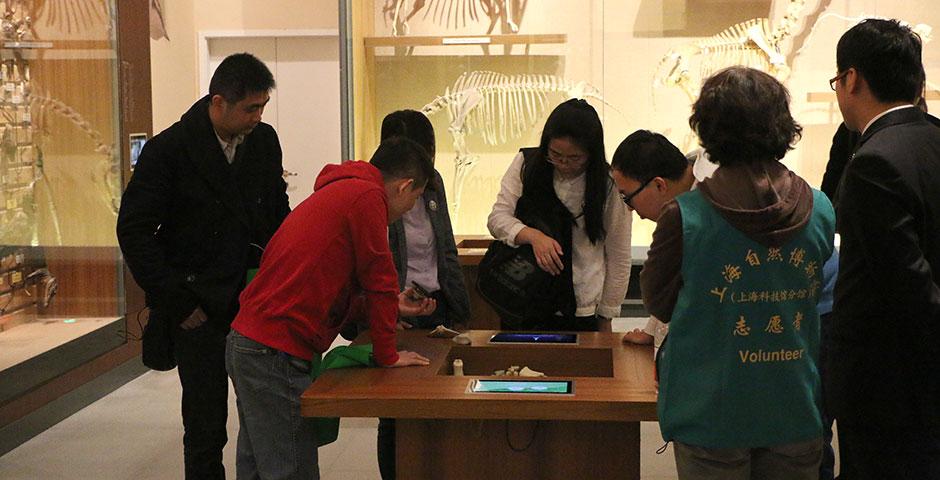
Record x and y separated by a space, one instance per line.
735 46
501 107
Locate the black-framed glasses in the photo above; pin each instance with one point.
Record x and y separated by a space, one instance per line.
833 80
629 198
559 159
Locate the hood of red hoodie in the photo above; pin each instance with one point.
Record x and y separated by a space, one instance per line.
351 169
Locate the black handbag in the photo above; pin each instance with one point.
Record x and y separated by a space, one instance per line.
509 278
157 349
513 284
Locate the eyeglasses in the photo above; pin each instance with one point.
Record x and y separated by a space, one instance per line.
559 159
629 198
833 80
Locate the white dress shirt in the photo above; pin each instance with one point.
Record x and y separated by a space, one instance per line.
601 272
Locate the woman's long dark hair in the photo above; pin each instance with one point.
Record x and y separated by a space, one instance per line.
577 120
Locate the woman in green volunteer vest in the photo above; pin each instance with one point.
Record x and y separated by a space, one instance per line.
735 268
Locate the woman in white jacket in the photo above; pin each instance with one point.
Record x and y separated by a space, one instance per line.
569 166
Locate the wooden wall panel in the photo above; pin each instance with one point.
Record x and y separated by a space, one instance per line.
88 281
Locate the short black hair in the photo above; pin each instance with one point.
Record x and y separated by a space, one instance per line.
887 55
240 75
644 155
410 124
578 120
400 157
743 116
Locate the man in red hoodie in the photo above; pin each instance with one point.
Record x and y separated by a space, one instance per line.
328 263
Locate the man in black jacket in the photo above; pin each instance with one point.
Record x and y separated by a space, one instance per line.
884 385
205 198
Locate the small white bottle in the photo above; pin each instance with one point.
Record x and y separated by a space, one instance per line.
458 368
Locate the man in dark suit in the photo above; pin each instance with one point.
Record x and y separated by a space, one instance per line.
885 372
206 196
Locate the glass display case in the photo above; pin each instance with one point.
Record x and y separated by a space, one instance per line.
61 279
488 72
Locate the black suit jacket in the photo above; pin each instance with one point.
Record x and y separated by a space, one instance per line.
190 224
843 146
886 330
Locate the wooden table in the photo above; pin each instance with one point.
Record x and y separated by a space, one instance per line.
443 431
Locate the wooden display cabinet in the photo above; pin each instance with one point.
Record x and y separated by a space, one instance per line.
445 431
85 111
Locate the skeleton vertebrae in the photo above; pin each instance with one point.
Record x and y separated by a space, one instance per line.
45 103
751 43
744 44
456 13
501 107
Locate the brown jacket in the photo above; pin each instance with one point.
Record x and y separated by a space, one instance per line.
765 201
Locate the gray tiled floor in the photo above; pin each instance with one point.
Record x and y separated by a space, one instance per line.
135 433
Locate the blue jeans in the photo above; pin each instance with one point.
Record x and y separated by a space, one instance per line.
274 441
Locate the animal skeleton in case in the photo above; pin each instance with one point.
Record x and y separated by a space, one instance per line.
455 13
66 14
751 43
501 107
25 110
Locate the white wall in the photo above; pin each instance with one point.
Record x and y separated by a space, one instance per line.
174 63
304 107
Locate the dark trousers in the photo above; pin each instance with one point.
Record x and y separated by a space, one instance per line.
200 355
872 452
385 440
827 466
386 448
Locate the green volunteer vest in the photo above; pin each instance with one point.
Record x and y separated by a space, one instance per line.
738 368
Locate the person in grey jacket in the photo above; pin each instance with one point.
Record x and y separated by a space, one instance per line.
425 254
422 241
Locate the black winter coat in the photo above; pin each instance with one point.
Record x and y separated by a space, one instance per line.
190 224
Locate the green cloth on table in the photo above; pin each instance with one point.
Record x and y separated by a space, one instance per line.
339 357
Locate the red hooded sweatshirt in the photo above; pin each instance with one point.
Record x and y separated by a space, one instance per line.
330 255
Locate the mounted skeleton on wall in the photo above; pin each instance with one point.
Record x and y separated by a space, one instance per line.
501 107
68 14
455 13
751 43
17 23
